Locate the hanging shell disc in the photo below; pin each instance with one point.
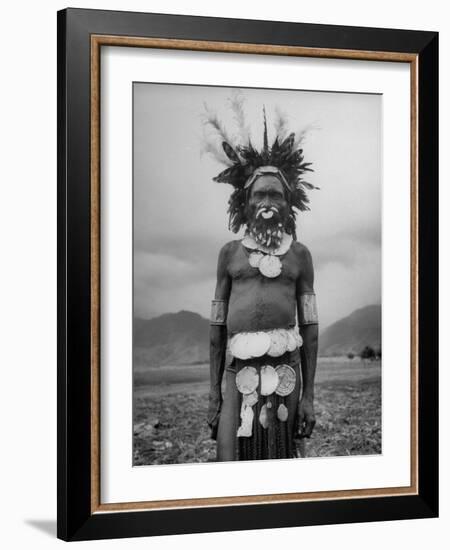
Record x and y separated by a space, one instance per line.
270 266
282 413
264 417
257 343
247 380
269 380
245 429
250 399
278 343
286 377
254 258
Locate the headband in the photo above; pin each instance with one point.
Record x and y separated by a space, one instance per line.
264 171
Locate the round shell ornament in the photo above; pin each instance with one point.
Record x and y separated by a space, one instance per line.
239 346
292 341
255 258
286 377
247 380
269 380
234 344
257 343
270 266
278 343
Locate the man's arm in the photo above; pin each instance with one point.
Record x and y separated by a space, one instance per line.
218 339
309 329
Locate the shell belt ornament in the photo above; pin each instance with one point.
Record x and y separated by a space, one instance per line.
275 343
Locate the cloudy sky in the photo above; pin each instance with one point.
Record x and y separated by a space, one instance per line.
180 219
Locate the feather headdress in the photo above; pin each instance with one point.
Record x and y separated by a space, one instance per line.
243 159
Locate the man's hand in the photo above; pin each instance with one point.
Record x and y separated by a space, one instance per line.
215 404
306 418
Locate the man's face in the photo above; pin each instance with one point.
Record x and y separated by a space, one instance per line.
267 210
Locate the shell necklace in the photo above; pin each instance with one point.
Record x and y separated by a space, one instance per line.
265 259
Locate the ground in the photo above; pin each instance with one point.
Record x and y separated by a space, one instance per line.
171 402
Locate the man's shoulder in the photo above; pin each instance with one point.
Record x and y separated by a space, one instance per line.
300 250
229 248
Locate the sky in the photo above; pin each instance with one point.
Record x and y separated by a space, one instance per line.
180 214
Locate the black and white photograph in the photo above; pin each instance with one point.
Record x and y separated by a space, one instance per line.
221 295
256 274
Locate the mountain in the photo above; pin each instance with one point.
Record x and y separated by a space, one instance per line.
351 334
171 339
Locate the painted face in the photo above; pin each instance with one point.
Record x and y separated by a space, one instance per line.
267 210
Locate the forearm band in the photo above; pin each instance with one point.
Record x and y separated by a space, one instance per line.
219 309
308 310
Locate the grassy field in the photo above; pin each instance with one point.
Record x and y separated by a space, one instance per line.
170 406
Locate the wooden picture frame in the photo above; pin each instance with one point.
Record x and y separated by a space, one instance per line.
81 35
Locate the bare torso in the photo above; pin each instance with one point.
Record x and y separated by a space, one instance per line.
257 302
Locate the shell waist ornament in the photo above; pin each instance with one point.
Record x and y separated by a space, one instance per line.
247 345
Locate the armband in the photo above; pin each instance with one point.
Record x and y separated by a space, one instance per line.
219 309
308 310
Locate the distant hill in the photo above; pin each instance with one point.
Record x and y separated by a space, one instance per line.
171 339
183 338
351 334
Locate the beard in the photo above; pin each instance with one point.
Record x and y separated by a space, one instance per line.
266 226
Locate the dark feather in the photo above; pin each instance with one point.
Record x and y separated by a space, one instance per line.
306 167
223 177
287 144
275 150
266 141
230 152
306 184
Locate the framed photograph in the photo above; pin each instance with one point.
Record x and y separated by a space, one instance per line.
247 257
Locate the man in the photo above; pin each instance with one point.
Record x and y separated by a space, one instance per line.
264 281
